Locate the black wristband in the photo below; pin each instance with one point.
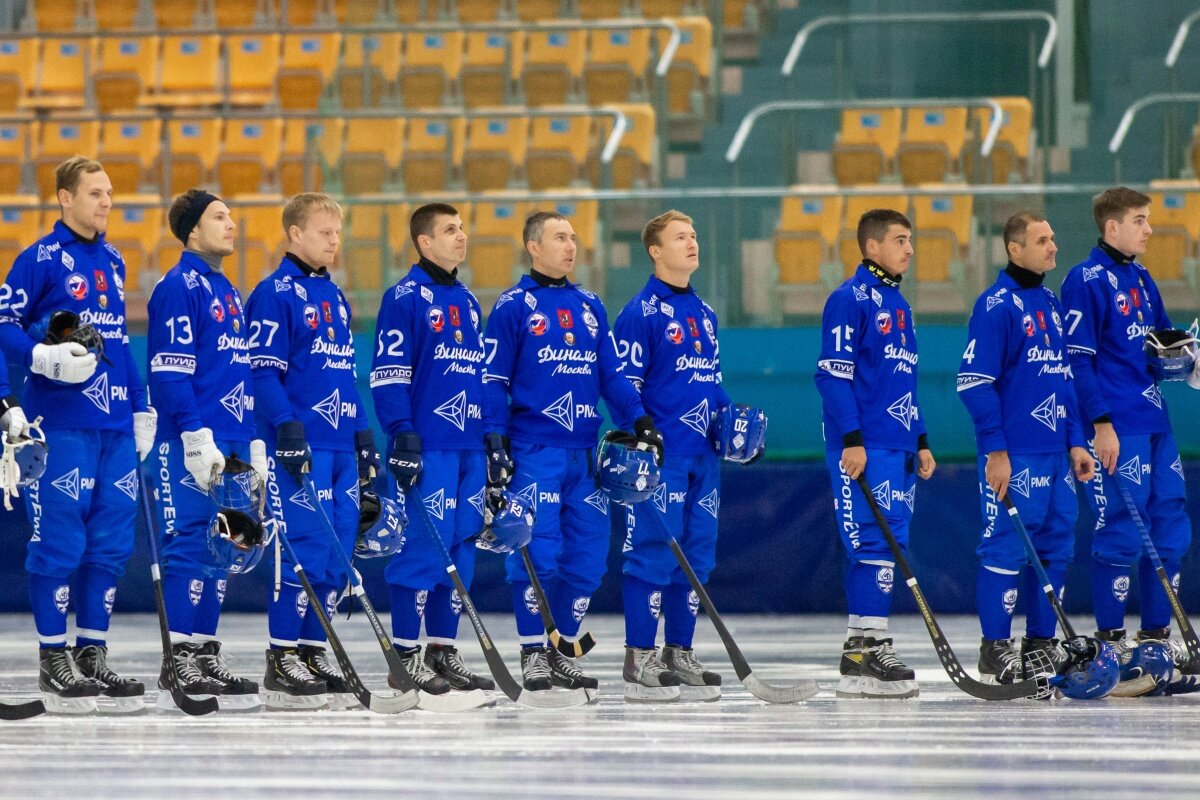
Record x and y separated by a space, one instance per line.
923 442
409 441
1102 419
9 403
495 441
853 439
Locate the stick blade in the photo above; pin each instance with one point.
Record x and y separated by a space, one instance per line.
194 706
16 711
793 692
392 702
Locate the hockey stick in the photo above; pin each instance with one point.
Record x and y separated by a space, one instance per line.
797 693
575 649
504 679
1034 687
1185 625
189 705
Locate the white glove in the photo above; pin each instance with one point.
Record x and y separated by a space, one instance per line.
258 459
13 421
68 362
201 457
145 425
1193 380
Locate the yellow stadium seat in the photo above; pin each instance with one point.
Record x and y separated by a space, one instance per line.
246 14
848 254
253 68
1175 220
932 144
604 9
1010 156
495 152
617 64
59 80
585 219
691 68
476 11
372 154
370 68
129 151
804 240
193 145
311 148
188 73
432 153
20 222
54 142
307 13
558 148
942 231
16 149
739 13
52 15
491 66
261 242
122 70
249 156
123 15
135 227
538 10
552 66
371 12
307 67
866 145
653 9
432 63
18 61
633 163
181 14
494 252
375 235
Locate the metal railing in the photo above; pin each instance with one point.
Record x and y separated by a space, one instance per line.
1181 35
1118 137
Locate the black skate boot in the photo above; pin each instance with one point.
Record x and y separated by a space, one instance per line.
696 682
1185 677
999 661
850 669
237 694
318 663
445 660
1135 681
435 691
290 685
565 673
193 682
118 695
883 675
647 678
535 669
64 688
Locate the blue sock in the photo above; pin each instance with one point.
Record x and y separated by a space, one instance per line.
1040 620
408 606
49 598
96 592
208 613
643 606
311 631
283 616
995 598
441 615
1156 606
1110 590
181 596
530 632
569 604
680 606
872 587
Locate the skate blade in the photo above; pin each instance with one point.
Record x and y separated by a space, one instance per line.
454 701
703 694
56 704
849 688
165 702
343 701
873 689
551 698
239 702
636 693
1143 684
282 701
134 704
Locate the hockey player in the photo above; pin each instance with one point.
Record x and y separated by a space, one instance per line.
66 287
427 381
1016 383
667 337
867 377
1111 303
315 425
197 327
550 349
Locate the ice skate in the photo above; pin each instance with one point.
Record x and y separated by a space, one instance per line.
435 692
850 669
237 694
882 674
999 662
566 674
647 678
1134 680
445 660
118 695
318 663
697 683
535 669
64 688
193 682
290 685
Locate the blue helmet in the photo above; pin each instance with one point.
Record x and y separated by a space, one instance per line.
1171 354
1154 658
738 433
28 453
237 537
507 523
626 474
1091 671
381 523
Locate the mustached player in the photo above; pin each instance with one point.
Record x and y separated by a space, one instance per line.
867 377
97 426
550 351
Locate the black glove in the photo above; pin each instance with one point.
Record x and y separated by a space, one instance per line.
648 437
500 465
404 459
368 457
292 450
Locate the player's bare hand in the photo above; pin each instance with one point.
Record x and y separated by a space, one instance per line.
1107 446
925 464
1083 464
997 472
854 461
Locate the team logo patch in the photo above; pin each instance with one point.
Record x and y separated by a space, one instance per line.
1027 323
344 315
537 323
456 603
310 317
419 599
302 605
883 321
674 332
436 318
693 603
110 599
589 318
326 311
455 317
216 310
231 305
531 603
221 585
692 329
1120 588
1122 301
101 283
1175 582
579 607
67 261
331 602
654 603
77 286
564 318
1010 601
62 596
569 338
195 589
884 577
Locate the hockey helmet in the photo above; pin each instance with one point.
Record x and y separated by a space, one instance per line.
66 326
738 433
1172 354
237 537
626 474
1154 659
1091 671
507 523
28 454
381 523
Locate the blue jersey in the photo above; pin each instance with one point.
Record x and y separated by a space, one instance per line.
1110 307
1014 379
668 340
300 340
428 337
199 355
867 370
60 272
551 349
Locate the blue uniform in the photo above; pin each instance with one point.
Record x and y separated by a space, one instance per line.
668 340
867 377
550 349
1111 302
302 355
1016 383
197 327
82 506
427 377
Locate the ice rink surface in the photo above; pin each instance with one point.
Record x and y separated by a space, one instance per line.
941 745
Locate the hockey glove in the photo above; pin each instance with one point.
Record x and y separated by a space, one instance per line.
12 420
145 425
500 467
292 451
404 459
648 437
201 457
368 456
258 459
69 362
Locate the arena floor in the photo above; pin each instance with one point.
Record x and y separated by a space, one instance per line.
942 745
